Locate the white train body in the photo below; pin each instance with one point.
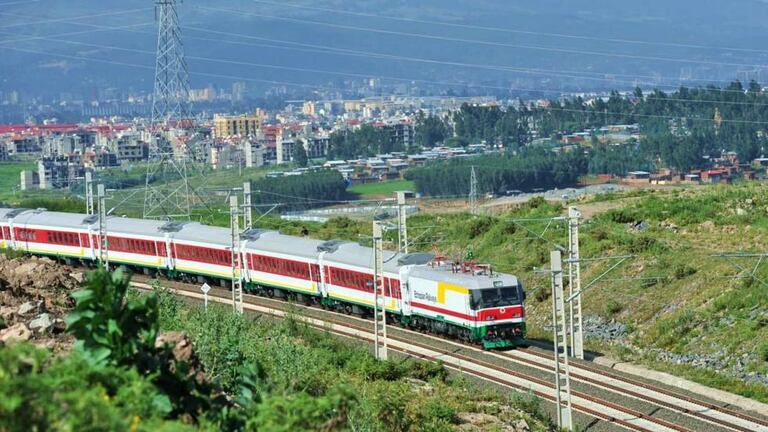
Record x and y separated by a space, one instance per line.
466 301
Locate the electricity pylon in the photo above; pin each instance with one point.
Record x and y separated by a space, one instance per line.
167 190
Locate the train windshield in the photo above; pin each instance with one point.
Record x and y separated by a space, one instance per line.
496 297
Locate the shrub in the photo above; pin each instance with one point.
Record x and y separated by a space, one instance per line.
682 271
621 216
109 330
438 409
71 393
612 307
478 226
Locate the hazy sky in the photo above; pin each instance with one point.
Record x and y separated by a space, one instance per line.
58 45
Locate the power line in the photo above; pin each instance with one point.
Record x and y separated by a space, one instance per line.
474 41
57 38
316 87
67 19
508 30
349 52
26 2
341 51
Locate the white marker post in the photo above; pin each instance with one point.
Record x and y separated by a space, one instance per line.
205 288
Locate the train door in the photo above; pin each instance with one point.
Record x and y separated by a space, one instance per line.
11 235
169 253
322 288
245 265
85 243
405 291
93 241
6 236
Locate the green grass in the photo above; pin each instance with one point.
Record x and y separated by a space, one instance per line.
382 188
10 177
310 378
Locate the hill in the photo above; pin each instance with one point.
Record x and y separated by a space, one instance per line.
686 33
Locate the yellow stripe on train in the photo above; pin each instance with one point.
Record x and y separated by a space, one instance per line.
442 287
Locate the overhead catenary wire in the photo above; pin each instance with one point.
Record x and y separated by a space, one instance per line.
24 2
475 41
377 55
350 52
57 38
508 30
383 56
75 18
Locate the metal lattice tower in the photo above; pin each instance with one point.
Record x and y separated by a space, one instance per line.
574 284
379 298
559 329
237 267
167 189
171 96
103 238
402 228
473 193
89 207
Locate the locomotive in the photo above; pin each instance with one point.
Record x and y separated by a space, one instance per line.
464 300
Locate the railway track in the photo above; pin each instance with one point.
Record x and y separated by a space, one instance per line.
608 397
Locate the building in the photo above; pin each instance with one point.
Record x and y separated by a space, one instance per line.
225 156
19 145
714 176
254 152
130 148
309 108
29 180
58 172
285 150
238 91
229 126
637 178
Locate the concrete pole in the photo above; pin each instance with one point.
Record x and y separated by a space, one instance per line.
103 238
560 338
379 303
237 279
402 227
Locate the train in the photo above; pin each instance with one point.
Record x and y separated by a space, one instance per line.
426 292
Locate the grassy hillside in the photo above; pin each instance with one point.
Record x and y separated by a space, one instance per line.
676 305
173 366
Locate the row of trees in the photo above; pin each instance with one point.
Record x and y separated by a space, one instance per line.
678 128
364 142
533 168
309 190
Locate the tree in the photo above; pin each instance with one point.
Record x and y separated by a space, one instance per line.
299 155
430 130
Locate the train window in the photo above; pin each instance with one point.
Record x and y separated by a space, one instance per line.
24 234
495 297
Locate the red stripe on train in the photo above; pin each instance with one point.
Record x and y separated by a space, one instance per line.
485 315
501 313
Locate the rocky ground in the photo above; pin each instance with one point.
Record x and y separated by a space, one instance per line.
615 333
35 299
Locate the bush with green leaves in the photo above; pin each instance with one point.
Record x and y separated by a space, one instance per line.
73 393
109 329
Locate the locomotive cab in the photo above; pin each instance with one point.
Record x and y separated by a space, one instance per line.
499 314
